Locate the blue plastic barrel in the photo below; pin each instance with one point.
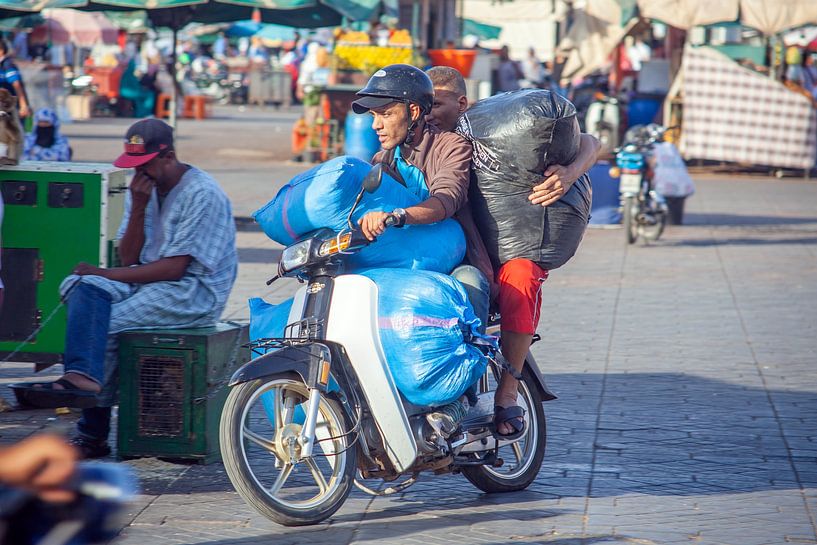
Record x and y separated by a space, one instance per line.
642 110
361 139
604 210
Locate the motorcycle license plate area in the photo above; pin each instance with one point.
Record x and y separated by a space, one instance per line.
630 183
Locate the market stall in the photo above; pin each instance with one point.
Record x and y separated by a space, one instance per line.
731 113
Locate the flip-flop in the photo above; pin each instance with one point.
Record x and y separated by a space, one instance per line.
514 416
43 395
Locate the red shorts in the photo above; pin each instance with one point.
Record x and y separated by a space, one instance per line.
520 288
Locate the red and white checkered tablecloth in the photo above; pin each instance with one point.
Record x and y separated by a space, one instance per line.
734 114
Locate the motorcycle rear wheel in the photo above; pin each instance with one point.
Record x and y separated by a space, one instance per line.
528 451
629 221
256 417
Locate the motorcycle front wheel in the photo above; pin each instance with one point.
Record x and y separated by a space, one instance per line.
260 423
629 219
523 457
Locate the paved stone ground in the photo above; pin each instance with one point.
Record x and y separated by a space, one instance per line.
687 402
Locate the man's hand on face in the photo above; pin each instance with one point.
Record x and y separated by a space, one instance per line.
558 180
373 224
84 269
141 188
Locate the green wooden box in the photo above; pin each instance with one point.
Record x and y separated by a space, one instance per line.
172 387
56 215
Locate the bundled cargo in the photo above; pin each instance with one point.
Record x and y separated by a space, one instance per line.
323 197
516 136
426 323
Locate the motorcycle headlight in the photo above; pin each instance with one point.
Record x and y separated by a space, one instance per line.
295 256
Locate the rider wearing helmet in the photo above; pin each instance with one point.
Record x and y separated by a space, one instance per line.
434 165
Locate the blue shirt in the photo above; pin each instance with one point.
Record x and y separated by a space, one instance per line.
413 177
9 74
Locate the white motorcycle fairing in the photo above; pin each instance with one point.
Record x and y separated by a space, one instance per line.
353 323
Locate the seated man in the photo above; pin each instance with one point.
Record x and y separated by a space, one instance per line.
520 280
177 247
45 142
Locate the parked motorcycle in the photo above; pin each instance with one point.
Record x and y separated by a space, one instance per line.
644 211
602 120
321 412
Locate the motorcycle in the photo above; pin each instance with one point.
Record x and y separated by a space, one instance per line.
644 210
602 121
320 412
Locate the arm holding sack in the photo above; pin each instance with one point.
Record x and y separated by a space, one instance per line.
559 178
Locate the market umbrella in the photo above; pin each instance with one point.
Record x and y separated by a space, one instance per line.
774 17
175 14
483 31
13 8
275 35
686 14
768 17
26 22
85 29
594 34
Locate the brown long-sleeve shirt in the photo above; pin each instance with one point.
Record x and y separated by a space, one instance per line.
445 160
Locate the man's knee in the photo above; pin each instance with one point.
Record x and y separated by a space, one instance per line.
520 283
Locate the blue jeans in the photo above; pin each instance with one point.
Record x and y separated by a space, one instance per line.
479 294
478 290
90 352
86 333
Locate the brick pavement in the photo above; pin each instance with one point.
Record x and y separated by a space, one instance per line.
687 400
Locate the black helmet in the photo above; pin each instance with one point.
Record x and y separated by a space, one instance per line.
396 82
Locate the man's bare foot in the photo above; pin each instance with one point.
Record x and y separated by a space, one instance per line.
506 400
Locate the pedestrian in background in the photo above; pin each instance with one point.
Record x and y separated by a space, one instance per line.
509 72
45 142
11 79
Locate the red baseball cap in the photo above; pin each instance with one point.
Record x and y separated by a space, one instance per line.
144 140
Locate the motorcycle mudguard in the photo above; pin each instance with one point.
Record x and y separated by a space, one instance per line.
303 360
541 385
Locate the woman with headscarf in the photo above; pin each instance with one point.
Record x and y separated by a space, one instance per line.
44 142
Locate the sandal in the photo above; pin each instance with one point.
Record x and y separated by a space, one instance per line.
43 395
513 416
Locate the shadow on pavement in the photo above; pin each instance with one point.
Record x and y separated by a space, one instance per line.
741 242
735 220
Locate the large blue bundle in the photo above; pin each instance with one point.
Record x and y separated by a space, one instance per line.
323 196
425 323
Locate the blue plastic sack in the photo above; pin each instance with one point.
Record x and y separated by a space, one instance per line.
267 320
425 322
323 196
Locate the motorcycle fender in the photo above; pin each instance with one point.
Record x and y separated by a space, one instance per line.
305 361
353 324
540 383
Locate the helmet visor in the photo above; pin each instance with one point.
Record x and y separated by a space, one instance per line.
366 103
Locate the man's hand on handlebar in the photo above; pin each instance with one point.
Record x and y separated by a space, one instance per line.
374 224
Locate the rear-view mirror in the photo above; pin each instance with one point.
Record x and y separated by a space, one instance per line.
372 180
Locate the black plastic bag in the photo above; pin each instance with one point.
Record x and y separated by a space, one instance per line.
516 136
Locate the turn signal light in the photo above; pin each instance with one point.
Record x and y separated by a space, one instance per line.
335 245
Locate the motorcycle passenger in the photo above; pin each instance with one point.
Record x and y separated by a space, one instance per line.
436 167
520 280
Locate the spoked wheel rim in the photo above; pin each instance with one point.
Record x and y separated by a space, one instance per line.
518 455
270 422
